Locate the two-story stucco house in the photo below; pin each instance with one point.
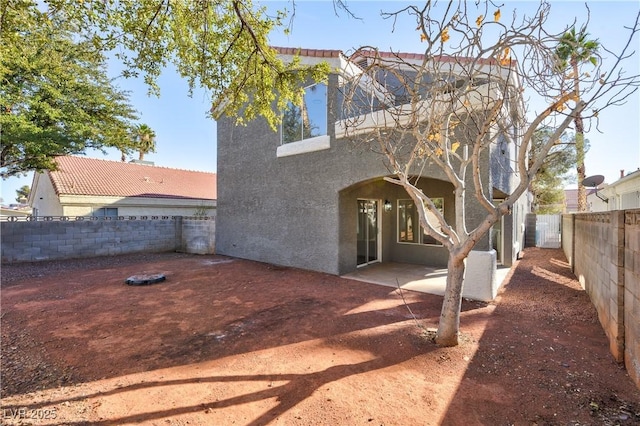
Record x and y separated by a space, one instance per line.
306 198
82 186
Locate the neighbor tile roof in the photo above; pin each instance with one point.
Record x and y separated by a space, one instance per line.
91 176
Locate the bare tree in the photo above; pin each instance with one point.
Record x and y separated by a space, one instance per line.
451 107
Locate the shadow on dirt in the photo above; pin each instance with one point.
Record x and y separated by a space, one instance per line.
544 336
296 387
55 327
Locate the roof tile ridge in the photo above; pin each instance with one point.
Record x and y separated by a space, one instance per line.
306 51
178 169
134 164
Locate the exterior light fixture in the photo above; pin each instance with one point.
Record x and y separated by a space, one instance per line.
387 206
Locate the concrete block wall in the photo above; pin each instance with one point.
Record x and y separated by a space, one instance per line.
567 236
53 240
605 255
198 235
597 267
632 293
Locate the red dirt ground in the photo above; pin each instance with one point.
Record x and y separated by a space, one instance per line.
226 341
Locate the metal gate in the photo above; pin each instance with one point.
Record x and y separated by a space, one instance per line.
548 230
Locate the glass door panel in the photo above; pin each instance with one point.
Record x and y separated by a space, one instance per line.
367 232
497 238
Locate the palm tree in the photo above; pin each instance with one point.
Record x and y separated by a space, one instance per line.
573 50
145 139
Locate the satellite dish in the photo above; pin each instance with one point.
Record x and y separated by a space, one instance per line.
593 181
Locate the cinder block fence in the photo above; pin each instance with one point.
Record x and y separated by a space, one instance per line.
64 238
604 252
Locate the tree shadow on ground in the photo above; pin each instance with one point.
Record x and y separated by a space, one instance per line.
544 338
297 387
204 311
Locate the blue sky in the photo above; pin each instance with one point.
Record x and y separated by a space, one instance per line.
186 138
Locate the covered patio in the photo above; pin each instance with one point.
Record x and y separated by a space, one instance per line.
421 278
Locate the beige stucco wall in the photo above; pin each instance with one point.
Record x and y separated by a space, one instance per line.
43 199
46 202
623 194
78 205
11 212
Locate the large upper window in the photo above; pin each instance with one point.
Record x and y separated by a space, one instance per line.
309 119
409 229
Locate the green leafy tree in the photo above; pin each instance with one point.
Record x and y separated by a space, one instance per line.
55 97
291 124
145 140
202 210
23 193
574 49
296 125
547 186
221 46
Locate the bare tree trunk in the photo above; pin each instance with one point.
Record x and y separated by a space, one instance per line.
449 324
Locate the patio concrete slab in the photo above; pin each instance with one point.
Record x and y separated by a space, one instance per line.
424 279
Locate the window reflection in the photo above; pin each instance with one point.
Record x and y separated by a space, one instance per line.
409 229
309 119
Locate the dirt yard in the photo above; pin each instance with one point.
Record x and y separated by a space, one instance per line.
231 342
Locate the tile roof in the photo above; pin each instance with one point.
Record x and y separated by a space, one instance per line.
421 57
327 53
91 176
314 53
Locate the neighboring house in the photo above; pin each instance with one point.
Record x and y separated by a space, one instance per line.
314 201
622 194
92 187
15 210
571 200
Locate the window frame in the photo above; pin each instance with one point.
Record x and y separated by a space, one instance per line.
324 126
104 211
420 237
